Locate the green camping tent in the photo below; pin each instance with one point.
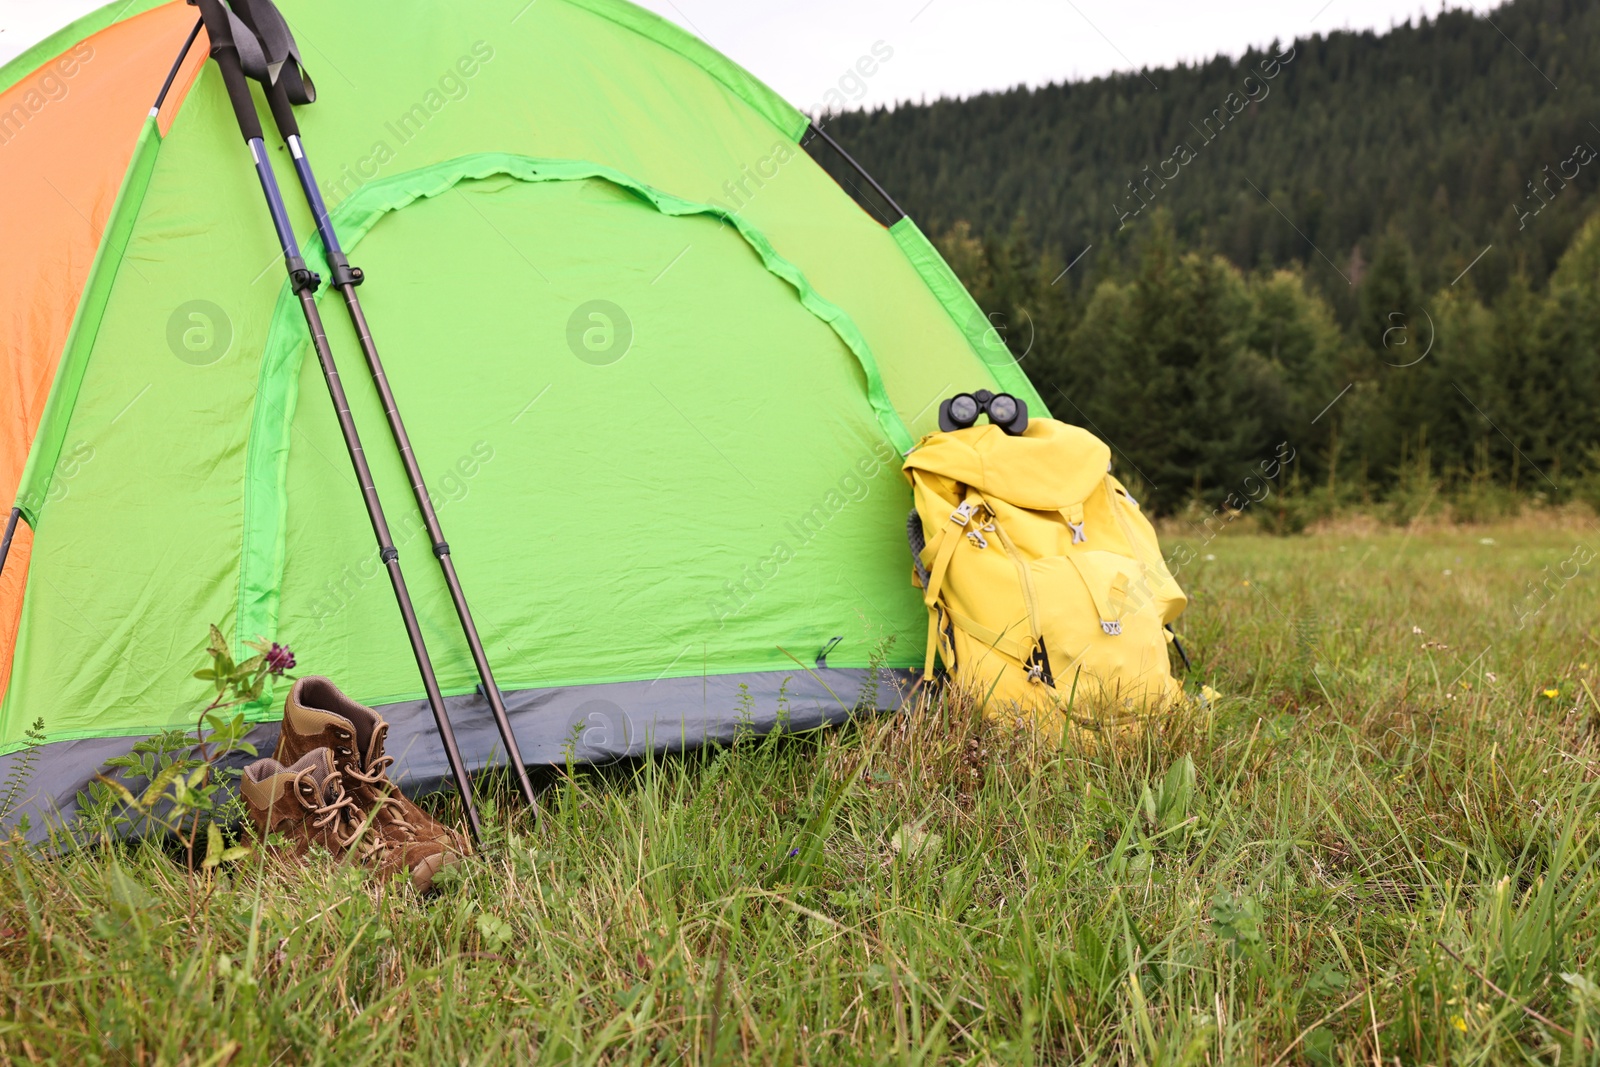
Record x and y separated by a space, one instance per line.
658 366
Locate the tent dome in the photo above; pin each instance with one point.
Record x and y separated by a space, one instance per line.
659 369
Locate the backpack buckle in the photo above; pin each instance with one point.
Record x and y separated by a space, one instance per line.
1111 626
977 538
963 514
1078 536
1038 666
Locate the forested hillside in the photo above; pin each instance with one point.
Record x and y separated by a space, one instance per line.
1386 223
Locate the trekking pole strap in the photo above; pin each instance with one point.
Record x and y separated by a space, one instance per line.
275 59
282 112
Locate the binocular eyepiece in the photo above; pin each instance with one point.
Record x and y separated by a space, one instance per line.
1004 410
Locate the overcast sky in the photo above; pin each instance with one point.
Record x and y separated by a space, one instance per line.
805 48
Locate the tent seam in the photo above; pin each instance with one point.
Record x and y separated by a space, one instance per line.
85 328
58 409
255 486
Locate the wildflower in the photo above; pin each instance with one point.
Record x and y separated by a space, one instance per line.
1459 1023
1490 676
279 659
1210 556
1417 630
1245 582
793 852
1583 666
1551 694
1485 540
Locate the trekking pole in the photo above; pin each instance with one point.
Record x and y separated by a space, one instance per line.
304 282
345 278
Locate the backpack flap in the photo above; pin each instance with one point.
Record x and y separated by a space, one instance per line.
1049 467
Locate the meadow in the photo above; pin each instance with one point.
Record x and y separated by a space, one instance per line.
1374 844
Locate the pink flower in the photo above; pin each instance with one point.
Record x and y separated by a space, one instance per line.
279 659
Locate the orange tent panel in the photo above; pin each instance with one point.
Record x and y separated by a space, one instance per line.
67 133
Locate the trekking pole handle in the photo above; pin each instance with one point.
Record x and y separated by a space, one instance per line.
282 110
226 53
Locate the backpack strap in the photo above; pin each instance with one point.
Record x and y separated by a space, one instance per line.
1025 581
1018 648
942 549
945 542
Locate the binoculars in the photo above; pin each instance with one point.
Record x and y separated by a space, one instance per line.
1003 409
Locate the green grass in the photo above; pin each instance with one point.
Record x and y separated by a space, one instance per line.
1377 846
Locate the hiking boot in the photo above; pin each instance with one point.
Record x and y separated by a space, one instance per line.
307 804
316 715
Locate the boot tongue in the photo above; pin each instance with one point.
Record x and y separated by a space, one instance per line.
319 762
323 705
367 725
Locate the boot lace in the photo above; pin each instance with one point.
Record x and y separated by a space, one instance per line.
385 803
335 810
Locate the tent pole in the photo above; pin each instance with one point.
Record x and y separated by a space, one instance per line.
177 64
305 283
345 278
859 169
11 531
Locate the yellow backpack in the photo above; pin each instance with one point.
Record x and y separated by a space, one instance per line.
1046 590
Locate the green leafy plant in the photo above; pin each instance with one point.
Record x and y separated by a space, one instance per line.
1236 922
1167 806
20 774
186 790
